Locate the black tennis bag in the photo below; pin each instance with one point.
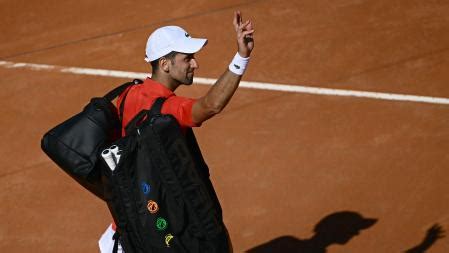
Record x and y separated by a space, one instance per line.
159 194
75 144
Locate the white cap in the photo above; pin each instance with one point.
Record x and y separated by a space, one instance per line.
171 38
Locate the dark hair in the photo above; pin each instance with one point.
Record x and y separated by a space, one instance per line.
170 56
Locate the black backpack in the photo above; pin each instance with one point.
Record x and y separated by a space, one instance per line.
158 163
160 194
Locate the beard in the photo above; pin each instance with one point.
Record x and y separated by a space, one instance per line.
183 77
186 80
189 79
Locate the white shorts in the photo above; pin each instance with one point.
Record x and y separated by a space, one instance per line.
106 243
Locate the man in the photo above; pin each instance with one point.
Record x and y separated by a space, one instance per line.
171 52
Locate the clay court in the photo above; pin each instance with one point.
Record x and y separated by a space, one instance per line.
280 160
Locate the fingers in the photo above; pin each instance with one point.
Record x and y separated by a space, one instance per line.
245 33
236 19
436 231
248 33
244 25
248 30
247 26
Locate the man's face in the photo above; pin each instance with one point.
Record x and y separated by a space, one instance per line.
182 68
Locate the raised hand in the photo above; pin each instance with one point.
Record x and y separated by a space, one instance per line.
434 233
245 35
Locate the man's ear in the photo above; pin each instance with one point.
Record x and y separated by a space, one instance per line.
163 64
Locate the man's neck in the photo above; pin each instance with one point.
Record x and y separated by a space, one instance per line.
168 82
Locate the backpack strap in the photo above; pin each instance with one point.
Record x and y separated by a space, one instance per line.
157 106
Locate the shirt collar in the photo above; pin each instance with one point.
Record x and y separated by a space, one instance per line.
157 88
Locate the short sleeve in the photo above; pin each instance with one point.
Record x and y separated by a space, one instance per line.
181 109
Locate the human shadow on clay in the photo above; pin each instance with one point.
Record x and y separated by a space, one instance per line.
336 228
433 234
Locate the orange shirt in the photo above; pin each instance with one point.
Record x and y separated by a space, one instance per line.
142 96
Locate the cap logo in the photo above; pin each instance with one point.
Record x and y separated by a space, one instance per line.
187 35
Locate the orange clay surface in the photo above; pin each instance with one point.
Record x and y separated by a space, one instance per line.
280 161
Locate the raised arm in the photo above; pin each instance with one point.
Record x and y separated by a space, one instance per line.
221 92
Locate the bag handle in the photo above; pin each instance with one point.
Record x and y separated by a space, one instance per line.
111 95
117 91
144 115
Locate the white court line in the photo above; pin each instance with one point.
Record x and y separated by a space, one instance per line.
245 84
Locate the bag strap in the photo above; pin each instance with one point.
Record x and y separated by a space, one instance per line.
116 238
111 95
144 114
117 91
122 106
157 106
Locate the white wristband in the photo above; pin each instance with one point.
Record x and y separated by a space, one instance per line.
238 64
